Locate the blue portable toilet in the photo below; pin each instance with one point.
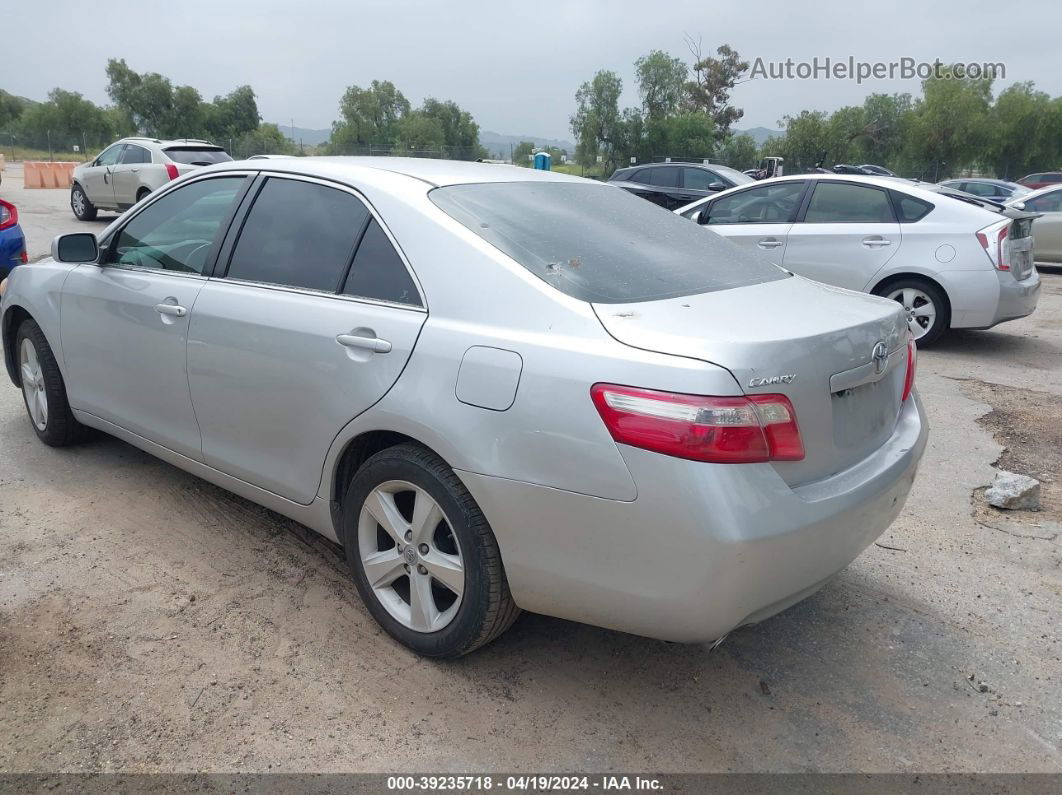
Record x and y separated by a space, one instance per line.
542 161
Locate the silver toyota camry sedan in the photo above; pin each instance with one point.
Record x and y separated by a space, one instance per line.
497 388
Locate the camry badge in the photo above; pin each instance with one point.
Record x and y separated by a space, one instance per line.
770 380
880 355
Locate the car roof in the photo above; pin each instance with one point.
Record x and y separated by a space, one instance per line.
143 139
437 173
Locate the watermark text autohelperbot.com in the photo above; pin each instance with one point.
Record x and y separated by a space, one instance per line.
851 69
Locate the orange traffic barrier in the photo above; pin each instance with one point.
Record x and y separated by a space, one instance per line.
41 174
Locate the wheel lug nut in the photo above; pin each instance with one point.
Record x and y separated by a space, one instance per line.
423 549
409 535
422 570
400 548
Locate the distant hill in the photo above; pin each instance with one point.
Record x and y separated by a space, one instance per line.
760 134
499 144
305 135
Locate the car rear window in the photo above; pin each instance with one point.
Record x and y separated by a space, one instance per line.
197 155
599 243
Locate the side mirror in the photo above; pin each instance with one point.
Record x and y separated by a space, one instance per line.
1018 205
76 247
701 216
717 186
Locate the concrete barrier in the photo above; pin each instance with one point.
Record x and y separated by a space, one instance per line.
41 174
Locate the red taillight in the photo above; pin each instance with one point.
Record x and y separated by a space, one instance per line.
723 430
993 240
24 257
171 169
912 365
8 215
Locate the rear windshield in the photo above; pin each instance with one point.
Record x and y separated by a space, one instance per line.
600 243
732 174
197 155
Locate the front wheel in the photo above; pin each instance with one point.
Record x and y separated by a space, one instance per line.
84 210
924 304
43 389
423 556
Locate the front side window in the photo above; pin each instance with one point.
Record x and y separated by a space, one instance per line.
298 234
845 203
178 231
766 204
665 177
601 244
109 156
378 271
699 179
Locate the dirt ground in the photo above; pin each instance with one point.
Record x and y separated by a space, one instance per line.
151 622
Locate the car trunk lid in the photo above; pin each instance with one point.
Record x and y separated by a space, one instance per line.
840 357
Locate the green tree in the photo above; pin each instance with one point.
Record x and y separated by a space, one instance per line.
948 123
369 116
713 80
1024 132
66 120
266 139
460 131
740 152
596 122
232 116
661 84
522 153
806 139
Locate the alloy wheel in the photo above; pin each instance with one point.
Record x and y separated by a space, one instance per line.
77 202
411 556
919 307
33 385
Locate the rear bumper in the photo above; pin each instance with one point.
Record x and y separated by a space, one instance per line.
703 548
985 298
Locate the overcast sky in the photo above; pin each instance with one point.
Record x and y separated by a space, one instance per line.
514 69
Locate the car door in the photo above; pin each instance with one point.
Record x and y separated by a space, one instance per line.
845 233
308 324
1047 229
758 217
124 321
96 179
700 182
125 175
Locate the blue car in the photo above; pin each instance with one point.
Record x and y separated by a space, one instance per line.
12 241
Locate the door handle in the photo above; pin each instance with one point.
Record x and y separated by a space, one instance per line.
172 310
876 242
769 242
374 344
134 170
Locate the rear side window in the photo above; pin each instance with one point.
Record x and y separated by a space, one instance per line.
600 243
909 209
1048 203
378 272
197 155
665 177
1052 178
298 234
135 154
845 203
772 203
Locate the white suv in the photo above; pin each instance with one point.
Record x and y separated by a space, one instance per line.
128 170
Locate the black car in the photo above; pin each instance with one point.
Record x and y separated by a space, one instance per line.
672 185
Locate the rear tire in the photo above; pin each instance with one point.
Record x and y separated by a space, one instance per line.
43 389
84 210
140 194
433 520
928 313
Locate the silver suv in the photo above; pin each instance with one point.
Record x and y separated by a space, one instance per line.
128 170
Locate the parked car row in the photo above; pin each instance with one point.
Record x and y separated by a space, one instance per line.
504 389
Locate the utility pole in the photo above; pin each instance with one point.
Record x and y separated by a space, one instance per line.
50 158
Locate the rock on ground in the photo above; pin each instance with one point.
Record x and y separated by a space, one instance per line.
1014 492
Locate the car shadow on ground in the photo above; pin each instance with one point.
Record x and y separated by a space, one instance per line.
997 344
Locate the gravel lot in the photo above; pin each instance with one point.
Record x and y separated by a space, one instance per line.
151 622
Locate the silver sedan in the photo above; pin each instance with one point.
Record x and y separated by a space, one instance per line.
497 388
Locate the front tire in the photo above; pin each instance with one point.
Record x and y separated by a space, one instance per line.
84 210
423 557
43 390
928 314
